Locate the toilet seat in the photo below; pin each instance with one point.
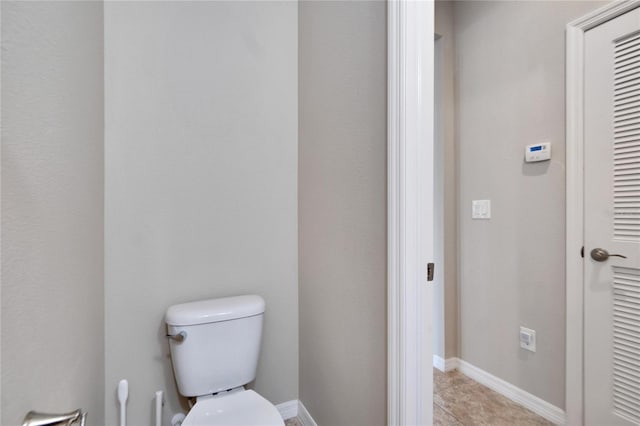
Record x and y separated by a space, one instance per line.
244 408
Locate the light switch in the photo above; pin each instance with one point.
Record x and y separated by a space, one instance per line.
528 339
481 209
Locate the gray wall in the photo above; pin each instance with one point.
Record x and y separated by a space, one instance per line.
342 208
52 209
446 218
201 182
510 93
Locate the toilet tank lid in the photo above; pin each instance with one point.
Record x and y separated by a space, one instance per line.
214 310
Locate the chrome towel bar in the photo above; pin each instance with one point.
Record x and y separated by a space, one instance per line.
43 419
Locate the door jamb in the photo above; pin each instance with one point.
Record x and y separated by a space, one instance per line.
574 360
410 32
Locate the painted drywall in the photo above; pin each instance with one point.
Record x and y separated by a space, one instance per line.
510 93
52 209
446 232
201 182
342 211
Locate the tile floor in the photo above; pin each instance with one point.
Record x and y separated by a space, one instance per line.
293 422
461 401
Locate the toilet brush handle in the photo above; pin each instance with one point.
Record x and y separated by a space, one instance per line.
123 394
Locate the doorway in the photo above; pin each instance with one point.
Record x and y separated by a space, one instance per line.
510 256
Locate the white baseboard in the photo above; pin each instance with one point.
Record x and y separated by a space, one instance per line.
445 365
451 364
296 408
289 409
304 416
438 362
537 405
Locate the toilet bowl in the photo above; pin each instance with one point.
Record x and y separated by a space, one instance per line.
215 345
244 407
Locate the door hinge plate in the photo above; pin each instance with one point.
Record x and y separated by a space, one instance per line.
430 270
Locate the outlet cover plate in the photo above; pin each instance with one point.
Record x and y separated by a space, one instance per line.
528 339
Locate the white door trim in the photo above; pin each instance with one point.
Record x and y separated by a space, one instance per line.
410 128
574 390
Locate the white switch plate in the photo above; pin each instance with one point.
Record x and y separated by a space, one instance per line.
481 209
528 339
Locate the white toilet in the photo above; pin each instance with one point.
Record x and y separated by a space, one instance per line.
214 349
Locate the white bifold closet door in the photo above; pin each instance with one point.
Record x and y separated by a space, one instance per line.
612 222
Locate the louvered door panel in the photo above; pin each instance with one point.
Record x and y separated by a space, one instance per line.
626 151
626 343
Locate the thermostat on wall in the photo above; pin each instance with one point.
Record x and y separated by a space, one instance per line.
538 152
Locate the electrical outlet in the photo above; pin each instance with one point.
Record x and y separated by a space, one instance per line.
528 339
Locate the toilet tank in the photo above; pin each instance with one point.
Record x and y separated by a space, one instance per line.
221 343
